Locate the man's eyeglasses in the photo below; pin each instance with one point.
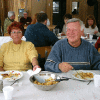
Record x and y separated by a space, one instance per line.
19 32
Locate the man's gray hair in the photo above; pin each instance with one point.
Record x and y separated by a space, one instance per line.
42 12
76 20
25 12
11 13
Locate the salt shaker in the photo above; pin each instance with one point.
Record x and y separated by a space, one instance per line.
1 84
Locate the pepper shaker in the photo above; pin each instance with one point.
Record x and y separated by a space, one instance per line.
1 84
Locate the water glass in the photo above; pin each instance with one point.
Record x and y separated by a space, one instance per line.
56 31
8 92
97 80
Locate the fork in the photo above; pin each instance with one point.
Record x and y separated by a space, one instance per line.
14 82
78 73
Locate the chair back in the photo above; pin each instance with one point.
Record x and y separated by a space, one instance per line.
43 51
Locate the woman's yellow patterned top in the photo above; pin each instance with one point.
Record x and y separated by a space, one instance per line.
17 56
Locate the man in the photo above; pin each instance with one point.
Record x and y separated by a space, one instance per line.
48 21
72 49
8 20
39 34
25 20
62 24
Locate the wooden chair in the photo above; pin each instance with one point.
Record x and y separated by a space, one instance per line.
43 54
43 51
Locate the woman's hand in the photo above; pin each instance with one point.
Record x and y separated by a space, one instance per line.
35 63
35 67
65 67
95 32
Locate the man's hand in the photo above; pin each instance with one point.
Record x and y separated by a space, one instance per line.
36 66
65 67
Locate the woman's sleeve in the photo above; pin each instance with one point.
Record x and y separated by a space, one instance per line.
63 29
2 50
96 29
83 28
31 51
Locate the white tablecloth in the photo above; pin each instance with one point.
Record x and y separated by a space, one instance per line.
5 39
65 90
93 41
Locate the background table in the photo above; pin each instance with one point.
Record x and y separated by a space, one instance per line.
65 90
51 27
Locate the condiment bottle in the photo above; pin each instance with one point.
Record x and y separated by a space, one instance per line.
1 84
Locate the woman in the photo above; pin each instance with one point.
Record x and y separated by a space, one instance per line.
90 26
17 54
34 19
66 18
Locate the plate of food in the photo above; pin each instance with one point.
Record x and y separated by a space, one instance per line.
83 75
11 75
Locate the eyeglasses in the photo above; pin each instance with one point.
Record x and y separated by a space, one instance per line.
19 32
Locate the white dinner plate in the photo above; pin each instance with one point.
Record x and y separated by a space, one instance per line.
13 78
79 77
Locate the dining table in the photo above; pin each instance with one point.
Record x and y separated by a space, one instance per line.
72 89
50 27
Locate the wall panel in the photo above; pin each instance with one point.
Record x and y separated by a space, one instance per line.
84 9
49 10
37 6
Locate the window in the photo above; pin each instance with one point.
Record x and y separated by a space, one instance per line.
21 12
75 7
56 7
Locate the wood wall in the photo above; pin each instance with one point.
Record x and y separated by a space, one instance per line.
49 10
35 6
99 12
31 6
84 9
38 6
